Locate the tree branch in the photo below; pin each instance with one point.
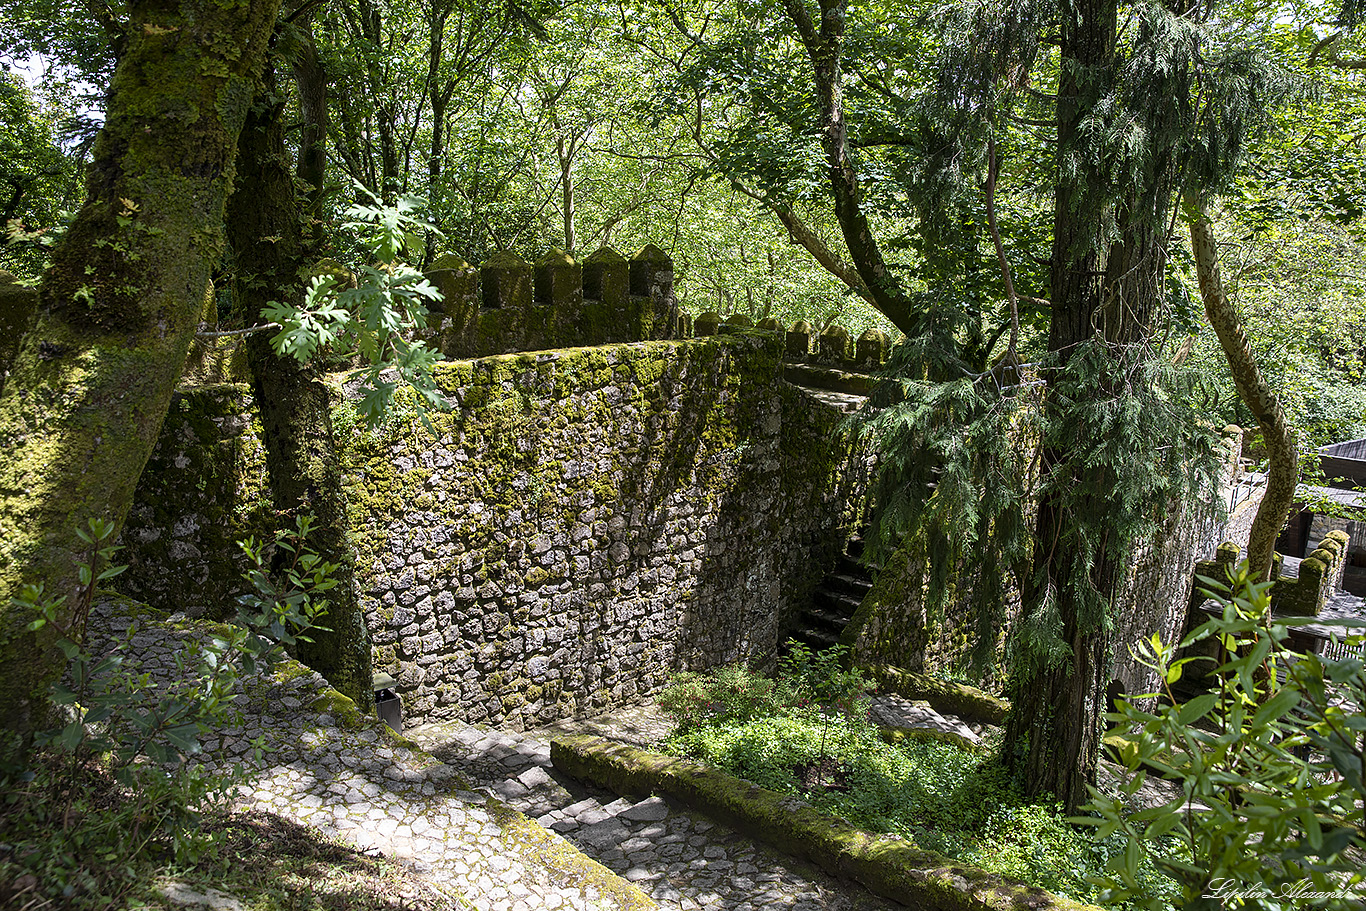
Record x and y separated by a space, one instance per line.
1283 471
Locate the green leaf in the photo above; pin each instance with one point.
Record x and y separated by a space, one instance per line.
184 737
72 735
1276 707
1197 708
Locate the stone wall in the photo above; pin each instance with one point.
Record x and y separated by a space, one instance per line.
203 490
587 520
508 304
583 522
892 625
1157 590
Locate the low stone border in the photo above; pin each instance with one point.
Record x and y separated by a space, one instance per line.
886 866
951 698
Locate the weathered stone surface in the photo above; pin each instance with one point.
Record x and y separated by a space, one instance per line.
583 522
17 303
203 490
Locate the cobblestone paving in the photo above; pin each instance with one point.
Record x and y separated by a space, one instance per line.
308 760
683 860
353 781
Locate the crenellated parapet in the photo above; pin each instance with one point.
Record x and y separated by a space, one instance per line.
1304 594
831 347
508 304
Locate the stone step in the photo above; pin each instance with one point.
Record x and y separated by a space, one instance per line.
829 621
836 603
856 586
850 566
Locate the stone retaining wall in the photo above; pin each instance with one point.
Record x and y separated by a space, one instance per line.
583 522
587 520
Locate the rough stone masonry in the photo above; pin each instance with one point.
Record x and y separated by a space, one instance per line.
582 522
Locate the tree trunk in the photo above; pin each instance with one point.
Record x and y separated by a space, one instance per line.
310 76
824 43
1053 732
89 388
565 153
1281 448
295 405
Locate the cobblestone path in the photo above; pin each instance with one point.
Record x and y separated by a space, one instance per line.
683 860
322 764
448 810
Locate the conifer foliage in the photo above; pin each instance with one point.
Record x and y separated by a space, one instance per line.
1144 108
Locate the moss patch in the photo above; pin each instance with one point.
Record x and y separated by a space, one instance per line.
951 698
566 864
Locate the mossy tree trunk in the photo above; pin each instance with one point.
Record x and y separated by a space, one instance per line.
1104 293
91 382
1282 451
266 234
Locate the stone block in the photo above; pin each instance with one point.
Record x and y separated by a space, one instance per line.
799 339
506 282
17 305
557 314
606 292
872 349
834 345
652 284
708 323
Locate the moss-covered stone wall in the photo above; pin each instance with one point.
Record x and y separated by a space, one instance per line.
582 522
203 490
586 520
892 625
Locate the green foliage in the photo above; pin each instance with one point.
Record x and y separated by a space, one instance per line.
732 693
825 679
374 318
113 784
736 694
942 797
36 179
1272 802
956 470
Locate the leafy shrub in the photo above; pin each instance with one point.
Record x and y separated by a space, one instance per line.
722 696
944 798
825 679
1277 763
110 789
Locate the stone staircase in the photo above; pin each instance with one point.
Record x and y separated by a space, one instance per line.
836 599
682 860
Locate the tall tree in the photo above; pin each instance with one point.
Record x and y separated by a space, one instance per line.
86 395
1141 108
271 253
1144 109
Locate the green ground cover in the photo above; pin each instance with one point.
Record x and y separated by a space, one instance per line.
805 731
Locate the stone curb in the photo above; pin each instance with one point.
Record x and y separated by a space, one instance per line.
950 698
888 867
